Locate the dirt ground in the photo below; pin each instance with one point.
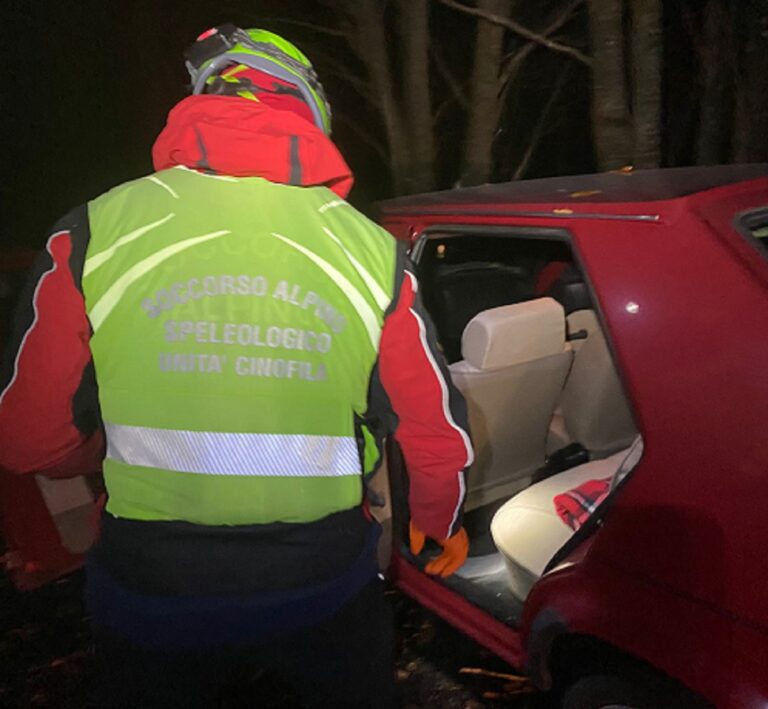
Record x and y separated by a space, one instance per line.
46 662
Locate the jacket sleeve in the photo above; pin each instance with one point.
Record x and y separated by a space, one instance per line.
427 414
49 419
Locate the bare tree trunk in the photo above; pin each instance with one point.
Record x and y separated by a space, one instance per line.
370 45
485 104
611 123
414 32
646 81
751 132
717 61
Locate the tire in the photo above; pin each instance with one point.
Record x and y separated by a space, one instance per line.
610 692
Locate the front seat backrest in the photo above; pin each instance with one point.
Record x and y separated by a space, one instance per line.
515 362
462 292
594 407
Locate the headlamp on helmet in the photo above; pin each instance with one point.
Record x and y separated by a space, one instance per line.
225 45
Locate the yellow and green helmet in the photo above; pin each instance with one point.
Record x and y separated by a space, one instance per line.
226 45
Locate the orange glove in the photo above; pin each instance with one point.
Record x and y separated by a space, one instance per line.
455 550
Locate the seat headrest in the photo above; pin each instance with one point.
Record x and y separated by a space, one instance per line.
511 334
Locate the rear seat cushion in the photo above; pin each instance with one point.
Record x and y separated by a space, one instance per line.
527 529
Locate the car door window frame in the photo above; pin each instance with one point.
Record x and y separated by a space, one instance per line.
564 236
743 224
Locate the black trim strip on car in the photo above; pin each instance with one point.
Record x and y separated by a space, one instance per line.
742 223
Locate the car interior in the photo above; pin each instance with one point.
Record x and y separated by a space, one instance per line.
547 410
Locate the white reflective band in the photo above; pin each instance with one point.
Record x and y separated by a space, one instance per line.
92 263
111 298
364 311
376 290
247 454
162 184
332 205
221 178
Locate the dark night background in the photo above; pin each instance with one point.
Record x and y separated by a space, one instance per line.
88 84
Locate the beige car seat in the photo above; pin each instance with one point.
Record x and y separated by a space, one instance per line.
593 408
528 531
515 362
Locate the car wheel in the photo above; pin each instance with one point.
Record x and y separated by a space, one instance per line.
609 692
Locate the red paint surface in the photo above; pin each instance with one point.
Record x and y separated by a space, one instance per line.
676 574
453 608
34 553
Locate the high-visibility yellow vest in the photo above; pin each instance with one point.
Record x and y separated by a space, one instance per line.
235 326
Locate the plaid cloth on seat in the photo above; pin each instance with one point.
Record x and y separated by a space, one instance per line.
575 506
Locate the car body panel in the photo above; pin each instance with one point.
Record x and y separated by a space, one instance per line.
686 639
496 636
35 552
682 297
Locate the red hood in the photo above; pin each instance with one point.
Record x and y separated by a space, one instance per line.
232 136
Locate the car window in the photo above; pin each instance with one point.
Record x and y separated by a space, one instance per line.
464 274
755 225
761 234
551 424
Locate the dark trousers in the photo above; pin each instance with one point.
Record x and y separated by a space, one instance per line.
345 661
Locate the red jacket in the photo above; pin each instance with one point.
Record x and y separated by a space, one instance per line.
48 396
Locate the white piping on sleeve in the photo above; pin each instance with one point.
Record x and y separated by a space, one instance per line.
462 495
36 313
446 407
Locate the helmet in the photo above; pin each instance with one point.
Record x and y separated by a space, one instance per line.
227 45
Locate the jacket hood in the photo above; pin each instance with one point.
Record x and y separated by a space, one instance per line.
230 135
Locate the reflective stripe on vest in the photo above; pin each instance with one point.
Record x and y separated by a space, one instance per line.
209 297
247 454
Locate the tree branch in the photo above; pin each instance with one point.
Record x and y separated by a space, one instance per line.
538 131
320 29
517 28
456 88
514 62
332 67
366 137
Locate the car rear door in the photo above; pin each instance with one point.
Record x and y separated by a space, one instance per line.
739 218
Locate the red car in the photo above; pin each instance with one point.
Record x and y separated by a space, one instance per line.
610 335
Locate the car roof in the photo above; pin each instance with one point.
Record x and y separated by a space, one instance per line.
628 187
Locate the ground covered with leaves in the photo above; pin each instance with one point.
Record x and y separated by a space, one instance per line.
46 660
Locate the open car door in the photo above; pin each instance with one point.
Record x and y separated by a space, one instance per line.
47 525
